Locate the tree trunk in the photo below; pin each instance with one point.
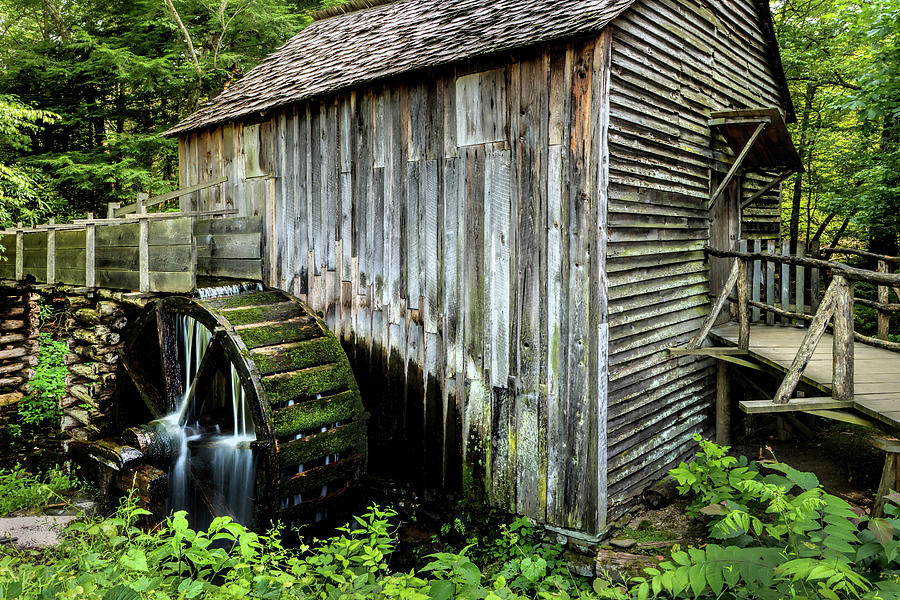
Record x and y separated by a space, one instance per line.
794 234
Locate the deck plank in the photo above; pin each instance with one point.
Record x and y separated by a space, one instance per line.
876 374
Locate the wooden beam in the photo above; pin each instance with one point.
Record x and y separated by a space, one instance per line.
753 407
698 340
132 208
90 254
842 373
848 272
712 352
843 417
807 347
766 189
737 164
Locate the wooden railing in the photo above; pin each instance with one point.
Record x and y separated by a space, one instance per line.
787 281
159 252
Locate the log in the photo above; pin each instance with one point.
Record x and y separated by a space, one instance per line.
83 371
622 564
73 359
808 346
12 324
117 324
11 338
13 367
109 310
87 316
13 353
10 398
723 404
850 273
99 336
8 382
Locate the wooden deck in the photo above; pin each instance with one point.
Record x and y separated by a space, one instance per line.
877 371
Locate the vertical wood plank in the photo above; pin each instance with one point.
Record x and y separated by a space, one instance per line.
431 247
561 68
530 112
770 282
785 282
723 404
800 284
884 297
301 239
757 281
51 253
90 253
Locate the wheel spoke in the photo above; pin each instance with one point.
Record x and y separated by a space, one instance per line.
173 382
146 388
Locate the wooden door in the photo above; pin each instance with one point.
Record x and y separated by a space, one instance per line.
724 232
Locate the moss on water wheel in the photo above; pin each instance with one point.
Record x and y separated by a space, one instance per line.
307 411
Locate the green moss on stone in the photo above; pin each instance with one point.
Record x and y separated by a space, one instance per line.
302 356
309 382
322 444
316 413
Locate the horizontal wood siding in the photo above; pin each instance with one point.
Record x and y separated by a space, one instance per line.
672 63
460 263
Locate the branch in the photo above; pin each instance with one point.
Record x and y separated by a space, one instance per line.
186 34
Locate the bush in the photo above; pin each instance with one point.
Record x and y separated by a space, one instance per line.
20 490
41 406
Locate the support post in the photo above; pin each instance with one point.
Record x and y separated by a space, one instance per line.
20 252
890 476
884 297
723 404
743 306
51 252
807 346
143 245
90 252
842 372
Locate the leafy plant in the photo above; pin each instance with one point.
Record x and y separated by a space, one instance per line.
22 490
779 544
41 406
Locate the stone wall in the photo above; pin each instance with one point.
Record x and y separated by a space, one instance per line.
94 333
19 321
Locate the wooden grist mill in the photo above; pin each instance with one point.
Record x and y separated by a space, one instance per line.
500 211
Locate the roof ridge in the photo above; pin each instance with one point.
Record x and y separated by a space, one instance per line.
347 7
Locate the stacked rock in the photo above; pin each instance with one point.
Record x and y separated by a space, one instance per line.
19 321
94 335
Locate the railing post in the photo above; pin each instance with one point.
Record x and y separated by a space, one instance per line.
20 252
90 253
884 297
842 373
51 252
143 244
743 306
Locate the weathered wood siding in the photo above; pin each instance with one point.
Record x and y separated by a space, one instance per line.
672 63
451 230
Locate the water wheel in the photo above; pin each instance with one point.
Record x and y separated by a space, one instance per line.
246 401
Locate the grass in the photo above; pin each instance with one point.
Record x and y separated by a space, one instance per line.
20 490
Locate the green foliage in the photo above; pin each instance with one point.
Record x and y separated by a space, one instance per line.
777 543
41 405
101 559
21 490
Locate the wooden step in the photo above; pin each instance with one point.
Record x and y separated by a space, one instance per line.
279 311
752 407
246 300
312 480
319 445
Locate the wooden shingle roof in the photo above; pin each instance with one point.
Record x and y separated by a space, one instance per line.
390 39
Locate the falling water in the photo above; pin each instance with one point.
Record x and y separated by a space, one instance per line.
209 447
